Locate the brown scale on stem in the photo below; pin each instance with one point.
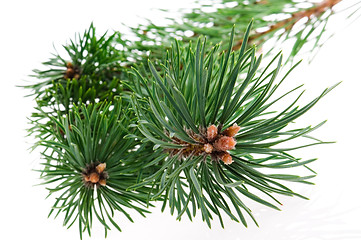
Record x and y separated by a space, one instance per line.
95 174
209 142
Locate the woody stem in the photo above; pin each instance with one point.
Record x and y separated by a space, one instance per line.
289 22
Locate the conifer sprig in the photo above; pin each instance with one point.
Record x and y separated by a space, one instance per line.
91 162
90 72
211 113
202 131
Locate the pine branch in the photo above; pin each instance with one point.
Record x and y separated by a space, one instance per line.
207 131
90 163
91 72
212 129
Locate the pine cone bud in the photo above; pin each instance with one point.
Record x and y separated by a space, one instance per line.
227 158
94 177
86 178
103 182
100 168
212 132
232 130
69 65
225 143
69 72
208 148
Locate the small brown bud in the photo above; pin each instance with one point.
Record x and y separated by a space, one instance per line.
208 148
69 65
103 182
227 158
69 72
212 132
100 168
225 143
232 130
76 76
86 178
94 177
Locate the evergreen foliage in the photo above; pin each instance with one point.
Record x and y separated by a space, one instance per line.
91 162
90 72
187 119
225 93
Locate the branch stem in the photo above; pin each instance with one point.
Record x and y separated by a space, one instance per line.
288 23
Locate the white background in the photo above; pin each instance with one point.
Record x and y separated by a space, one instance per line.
28 30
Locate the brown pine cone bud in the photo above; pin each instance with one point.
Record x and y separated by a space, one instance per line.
86 178
212 132
208 148
94 177
227 158
224 143
103 182
100 168
69 65
232 130
69 71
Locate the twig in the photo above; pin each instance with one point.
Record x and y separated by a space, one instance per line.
289 22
